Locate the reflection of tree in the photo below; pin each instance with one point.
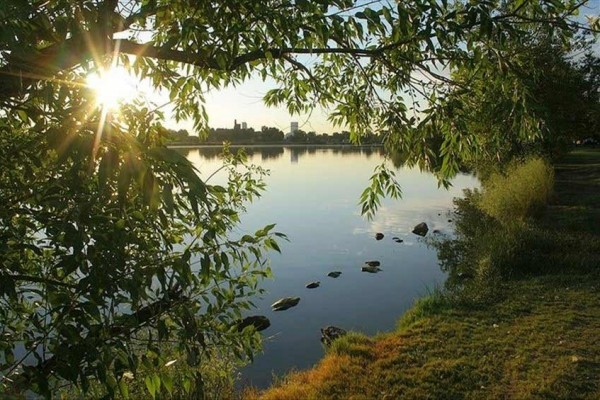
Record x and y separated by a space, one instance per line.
184 151
210 153
276 152
369 151
271 153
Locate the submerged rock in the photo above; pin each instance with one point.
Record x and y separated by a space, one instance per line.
373 263
285 303
371 269
260 323
379 236
334 274
331 333
398 240
436 231
421 229
313 285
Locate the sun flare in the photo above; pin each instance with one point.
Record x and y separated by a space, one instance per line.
112 87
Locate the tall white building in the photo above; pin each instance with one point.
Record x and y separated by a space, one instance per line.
293 127
244 125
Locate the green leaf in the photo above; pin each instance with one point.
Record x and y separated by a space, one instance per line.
123 388
150 385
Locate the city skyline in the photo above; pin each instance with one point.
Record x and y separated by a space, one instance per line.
244 103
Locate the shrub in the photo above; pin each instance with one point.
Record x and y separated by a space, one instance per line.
520 192
494 240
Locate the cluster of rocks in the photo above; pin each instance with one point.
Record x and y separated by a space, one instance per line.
329 333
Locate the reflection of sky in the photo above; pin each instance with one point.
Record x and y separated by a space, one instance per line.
315 202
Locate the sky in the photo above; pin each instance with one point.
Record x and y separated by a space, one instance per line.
244 104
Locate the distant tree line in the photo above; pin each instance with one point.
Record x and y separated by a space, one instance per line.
267 135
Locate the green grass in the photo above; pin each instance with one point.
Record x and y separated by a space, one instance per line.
519 319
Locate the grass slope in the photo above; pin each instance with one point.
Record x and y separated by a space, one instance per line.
539 339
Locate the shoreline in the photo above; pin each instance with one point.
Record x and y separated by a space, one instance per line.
532 333
272 145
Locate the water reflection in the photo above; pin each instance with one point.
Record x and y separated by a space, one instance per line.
312 194
275 152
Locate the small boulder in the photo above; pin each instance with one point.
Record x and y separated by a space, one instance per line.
370 269
421 229
449 220
334 274
285 303
260 323
313 285
379 236
398 240
373 263
331 333
436 231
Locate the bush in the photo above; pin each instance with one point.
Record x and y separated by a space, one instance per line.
520 192
494 239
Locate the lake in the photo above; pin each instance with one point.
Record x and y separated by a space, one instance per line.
312 195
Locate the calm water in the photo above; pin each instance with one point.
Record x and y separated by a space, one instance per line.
312 195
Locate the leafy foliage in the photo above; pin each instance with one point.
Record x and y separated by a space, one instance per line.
110 243
541 104
106 257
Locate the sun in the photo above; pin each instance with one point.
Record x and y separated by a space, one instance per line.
112 87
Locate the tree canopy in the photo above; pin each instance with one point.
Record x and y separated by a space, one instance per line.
110 243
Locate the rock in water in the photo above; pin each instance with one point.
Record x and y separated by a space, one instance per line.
285 303
260 323
313 285
334 274
421 229
373 263
331 333
379 236
370 269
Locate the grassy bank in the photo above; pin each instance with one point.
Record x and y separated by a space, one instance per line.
520 315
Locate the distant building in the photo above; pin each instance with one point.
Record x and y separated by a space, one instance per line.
244 125
293 127
236 126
